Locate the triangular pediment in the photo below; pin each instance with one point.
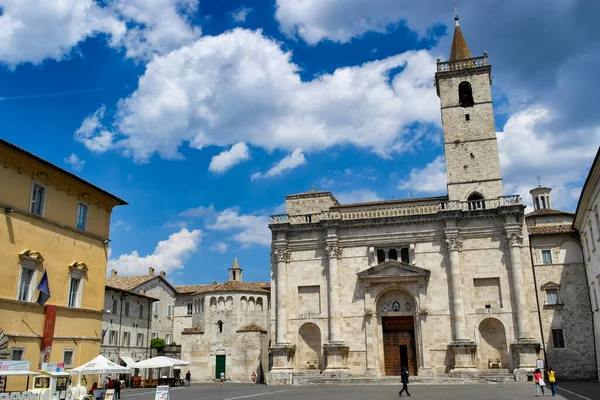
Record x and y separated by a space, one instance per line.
394 269
550 285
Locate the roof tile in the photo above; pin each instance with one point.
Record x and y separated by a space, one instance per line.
236 286
549 229
128 282
251 328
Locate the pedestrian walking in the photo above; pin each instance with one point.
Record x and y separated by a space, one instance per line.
253 378
117 387
539 382
188 378
552 381
404 378
222 378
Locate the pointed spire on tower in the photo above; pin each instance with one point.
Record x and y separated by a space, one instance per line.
460 50
235 272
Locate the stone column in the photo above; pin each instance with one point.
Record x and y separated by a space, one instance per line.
462 347
525 347
334 254
283 351
336 353
459 326
515 243
281 322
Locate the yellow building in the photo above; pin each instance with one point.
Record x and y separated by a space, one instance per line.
55 222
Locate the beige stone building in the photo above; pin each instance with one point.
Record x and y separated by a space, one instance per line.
587 223
439 285
229 331
565 315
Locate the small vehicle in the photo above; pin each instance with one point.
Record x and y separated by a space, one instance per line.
57 386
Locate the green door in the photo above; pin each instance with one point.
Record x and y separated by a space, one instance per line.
219 367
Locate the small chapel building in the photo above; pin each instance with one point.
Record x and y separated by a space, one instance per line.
438 285
230 330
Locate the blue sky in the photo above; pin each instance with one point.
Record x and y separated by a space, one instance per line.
204 114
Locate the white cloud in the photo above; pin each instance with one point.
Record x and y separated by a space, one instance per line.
253 229
527 150
120 224
290 161
241 86
229 158
168 256
198 211
75 162
357 196
341 20
240 14
430 179
35 30
156 26
92 133
219 247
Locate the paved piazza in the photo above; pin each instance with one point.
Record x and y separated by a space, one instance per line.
235 391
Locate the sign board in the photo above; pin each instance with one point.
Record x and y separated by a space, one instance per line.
53 367
539 364
14 366
162 393
110 394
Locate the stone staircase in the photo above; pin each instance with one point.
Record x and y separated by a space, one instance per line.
316 378
496 375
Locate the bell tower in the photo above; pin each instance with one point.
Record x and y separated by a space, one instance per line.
464 87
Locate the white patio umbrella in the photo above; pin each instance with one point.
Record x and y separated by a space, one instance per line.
100 365
159 362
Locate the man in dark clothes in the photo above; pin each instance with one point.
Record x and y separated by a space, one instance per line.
117 387
404 377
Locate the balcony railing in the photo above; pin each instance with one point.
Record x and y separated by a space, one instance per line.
397 211
448 66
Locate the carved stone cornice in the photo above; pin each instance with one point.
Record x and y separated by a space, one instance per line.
334 251
283 255
454 244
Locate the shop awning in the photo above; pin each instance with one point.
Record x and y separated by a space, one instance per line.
128 360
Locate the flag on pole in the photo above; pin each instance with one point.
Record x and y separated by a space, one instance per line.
44 289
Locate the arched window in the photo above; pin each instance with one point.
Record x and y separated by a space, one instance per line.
465 95
393 254
476 202
220 325
380 256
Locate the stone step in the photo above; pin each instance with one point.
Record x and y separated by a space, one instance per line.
499 376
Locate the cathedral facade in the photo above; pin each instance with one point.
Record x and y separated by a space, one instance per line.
438 285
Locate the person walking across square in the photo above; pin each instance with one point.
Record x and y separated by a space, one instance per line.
404 378
539 382
188 378
552 381
222 378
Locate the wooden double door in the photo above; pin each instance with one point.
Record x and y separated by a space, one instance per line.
399 350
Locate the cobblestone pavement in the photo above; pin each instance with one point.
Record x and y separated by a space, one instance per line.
232 391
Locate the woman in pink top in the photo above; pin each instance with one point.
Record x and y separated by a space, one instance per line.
537 375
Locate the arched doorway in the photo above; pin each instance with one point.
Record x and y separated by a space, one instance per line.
396 310
308 353
493 351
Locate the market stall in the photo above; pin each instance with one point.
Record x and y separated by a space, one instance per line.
99 366
161 362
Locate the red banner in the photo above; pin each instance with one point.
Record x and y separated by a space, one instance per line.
48 333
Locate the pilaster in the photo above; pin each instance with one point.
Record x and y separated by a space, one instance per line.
281 322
